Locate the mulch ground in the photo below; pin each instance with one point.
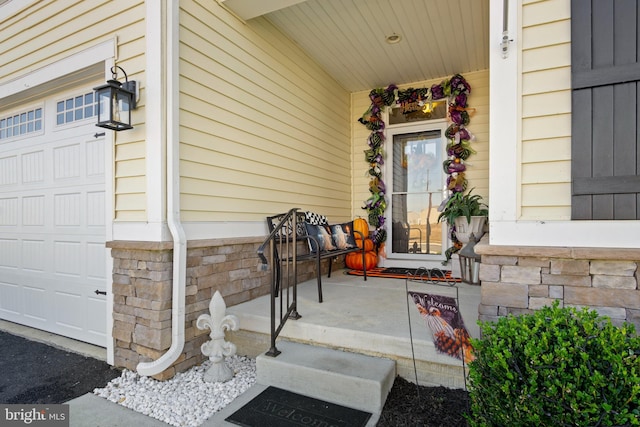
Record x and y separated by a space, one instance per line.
408 405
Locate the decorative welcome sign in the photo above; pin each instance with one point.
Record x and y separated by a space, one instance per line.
442 317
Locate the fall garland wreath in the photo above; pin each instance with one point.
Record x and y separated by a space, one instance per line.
456 90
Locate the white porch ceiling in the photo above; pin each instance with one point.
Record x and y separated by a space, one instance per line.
347 37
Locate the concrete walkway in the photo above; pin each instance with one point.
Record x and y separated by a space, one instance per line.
93 411
350 314
90 410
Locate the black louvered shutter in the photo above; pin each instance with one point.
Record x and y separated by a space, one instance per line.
605 147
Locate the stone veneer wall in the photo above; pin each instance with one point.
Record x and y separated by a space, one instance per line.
142 294
518 280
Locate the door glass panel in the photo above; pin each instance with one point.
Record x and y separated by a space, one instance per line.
418 181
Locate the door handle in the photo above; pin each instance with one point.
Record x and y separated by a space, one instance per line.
99 292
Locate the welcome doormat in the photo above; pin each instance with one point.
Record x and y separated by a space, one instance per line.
275 407
428 275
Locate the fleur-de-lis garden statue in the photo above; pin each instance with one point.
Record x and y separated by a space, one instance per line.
217 349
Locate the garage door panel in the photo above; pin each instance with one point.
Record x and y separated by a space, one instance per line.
9 253
96 264
67 258
33 208
95 158
8 170
9 211
52 226
66 162
37 303
11 297
34 255
33 168
95 209
70 311
95 325
67 209
48 187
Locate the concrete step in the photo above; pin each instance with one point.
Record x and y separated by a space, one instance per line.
348 379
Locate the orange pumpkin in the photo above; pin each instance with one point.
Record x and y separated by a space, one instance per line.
368 244
361 225
354 260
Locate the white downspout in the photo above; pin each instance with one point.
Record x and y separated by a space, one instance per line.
173 199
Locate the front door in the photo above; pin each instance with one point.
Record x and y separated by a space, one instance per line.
415 153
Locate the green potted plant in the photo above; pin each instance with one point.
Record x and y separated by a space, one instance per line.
467 212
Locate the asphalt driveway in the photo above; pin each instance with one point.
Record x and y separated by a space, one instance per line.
36 373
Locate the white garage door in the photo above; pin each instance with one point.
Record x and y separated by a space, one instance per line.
52 217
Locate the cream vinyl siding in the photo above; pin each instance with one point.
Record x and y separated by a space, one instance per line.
546 111
48 31
262 128
478 165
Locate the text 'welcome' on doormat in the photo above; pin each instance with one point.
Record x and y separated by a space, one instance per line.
425 274
275 407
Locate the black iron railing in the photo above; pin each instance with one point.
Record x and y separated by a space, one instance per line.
279 251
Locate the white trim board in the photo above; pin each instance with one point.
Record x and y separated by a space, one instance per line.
505 116
155 117
590 234
93 55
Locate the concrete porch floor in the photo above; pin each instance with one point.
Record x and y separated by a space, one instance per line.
364 317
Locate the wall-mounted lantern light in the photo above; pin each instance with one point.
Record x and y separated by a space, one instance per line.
115 102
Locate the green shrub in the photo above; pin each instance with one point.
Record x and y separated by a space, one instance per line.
555 367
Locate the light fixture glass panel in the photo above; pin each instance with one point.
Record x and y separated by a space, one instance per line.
123 107
104 103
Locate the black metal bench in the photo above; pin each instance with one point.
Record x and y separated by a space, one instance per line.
304 243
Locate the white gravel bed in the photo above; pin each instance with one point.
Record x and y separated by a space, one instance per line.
184 400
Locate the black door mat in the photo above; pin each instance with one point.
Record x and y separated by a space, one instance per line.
275 407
